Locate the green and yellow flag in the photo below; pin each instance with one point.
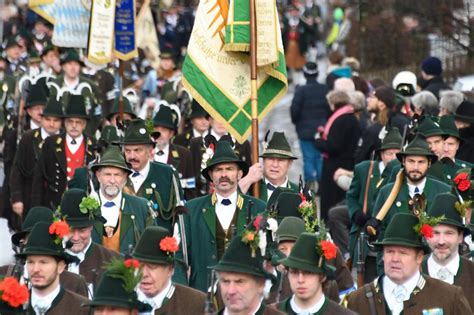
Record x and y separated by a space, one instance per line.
216 70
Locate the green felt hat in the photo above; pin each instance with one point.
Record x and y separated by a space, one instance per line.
37 95
278 147
238 258
166 117
290 229
448 126
197 110
465 112
127 108
272 201
70 55
401 232
429 128
444 204
76 107
137 133
112 157
224 154
109 135
393 139
71 205
306 256
34 215
54 108
41 242
287 204
148 248
112 290
418 146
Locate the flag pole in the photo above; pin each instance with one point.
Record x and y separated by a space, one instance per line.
253 89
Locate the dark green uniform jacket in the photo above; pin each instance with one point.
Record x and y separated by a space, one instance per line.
200 230
135 218
428 294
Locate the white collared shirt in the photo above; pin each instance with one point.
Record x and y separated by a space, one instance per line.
74 147
111 214
81 256
450 270
213 133
34 125
71 85
137 181
226 311
381 167
164 157
44 301
388 291
197 134
421 187
226 213
270 192
157 301
307 311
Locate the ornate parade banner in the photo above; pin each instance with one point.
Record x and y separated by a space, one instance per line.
71 23
125 39
216 70
101 31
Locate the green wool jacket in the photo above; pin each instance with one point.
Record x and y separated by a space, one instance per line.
200 231
135 218
464 278
432 188
356 194
445 169
160 192
429 294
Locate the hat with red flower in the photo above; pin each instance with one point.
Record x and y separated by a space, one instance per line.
452 209
156 246
47 239
406 229
311 253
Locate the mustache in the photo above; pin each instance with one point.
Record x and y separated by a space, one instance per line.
133 161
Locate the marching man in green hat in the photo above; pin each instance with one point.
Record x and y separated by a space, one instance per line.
307 270
165 125
212 219
115 294
277 161
27 155
411 184
128 113
241 277
402 289
126 216
444 262
61 155
199 119
156 182
156 252
81 213
45 261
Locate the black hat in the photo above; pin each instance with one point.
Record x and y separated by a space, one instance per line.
197 110
447 204
42 242
127 108
37 95
76 107
156 246
287 204
224 154
418 146
310 69
386 95
79 209
465 112
432 66
137 133
10 42
54 108
34 215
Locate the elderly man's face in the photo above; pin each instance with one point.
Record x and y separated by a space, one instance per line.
155 278
112 180
225 177
240 292
401 262
80 238
138 155
276 169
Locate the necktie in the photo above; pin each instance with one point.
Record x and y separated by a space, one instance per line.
41 307
226 202
109 204
160 153
135 174
417 191
400 292
443 274
270 187
73 141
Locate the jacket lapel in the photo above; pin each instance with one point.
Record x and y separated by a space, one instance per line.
209 215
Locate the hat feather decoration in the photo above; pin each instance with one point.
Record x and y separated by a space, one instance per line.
265 140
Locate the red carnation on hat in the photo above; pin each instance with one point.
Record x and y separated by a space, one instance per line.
329 249
169 245
426 230
60 229
132 263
